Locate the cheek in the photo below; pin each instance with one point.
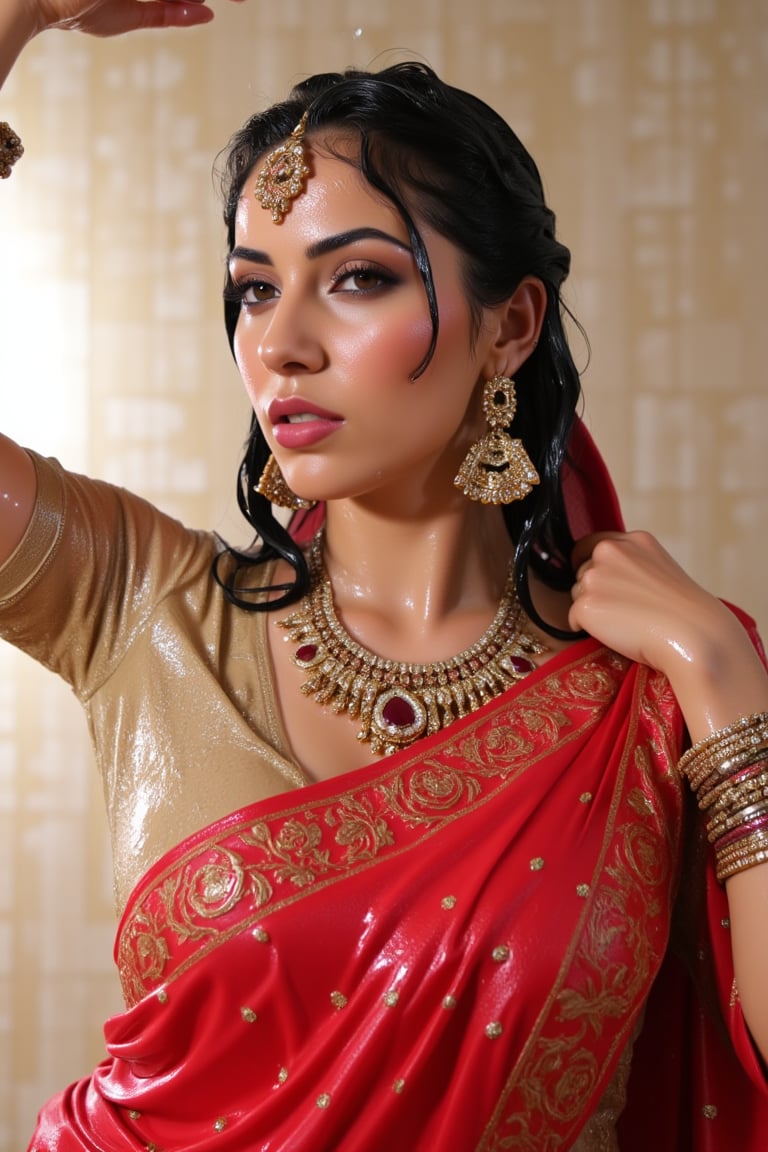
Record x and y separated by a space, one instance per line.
391 347
456 331
243 350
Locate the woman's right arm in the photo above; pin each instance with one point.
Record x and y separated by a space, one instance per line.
20 22
18 487
17 26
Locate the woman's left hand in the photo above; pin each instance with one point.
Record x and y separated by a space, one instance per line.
631 595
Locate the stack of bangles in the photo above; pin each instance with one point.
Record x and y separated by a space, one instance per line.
11 149
728 771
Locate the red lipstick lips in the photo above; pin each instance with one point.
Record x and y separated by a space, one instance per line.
297 423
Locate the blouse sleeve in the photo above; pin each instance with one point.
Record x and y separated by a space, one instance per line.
92 566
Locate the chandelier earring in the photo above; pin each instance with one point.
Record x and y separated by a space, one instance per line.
497 469
272 485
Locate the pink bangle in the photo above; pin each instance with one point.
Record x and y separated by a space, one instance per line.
740 833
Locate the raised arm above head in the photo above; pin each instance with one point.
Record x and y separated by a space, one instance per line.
20 20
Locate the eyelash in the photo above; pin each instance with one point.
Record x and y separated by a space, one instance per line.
362 269
236 291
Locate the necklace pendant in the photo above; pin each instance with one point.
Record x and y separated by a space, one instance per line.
398 717
517 665
305 655
398 703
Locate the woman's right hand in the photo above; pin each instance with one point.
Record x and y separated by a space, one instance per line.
21 20
113 17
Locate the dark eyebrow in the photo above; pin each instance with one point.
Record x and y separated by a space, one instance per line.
331 243
320 247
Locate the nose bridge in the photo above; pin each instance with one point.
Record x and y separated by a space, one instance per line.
291 335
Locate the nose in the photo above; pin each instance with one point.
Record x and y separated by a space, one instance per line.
289 342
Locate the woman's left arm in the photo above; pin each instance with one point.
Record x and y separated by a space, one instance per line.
632 596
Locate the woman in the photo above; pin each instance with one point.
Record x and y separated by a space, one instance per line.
373 892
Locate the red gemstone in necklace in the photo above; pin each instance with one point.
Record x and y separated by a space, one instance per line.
398 712
398 702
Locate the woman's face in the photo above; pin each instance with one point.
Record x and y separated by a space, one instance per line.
334 322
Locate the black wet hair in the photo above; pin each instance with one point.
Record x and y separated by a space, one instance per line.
443 156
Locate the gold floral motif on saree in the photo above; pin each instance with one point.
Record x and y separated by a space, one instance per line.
600 992
217 886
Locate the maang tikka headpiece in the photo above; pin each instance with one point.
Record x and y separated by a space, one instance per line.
284 171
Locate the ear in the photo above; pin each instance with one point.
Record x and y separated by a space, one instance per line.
514 327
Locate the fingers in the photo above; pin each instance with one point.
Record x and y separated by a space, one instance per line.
609 567
583 548
634 597
174 13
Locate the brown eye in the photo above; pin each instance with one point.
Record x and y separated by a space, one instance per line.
365 279
257 292
362 278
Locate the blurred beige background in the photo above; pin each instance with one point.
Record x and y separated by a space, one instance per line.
649 119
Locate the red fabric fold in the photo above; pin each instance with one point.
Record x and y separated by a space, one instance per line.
449 949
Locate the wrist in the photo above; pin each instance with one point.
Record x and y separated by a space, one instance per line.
717 676
18 25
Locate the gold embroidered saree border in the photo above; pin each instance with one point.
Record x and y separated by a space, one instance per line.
226 879
572 1052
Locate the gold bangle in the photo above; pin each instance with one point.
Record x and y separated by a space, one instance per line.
713 770
728 758
750 860
11 149
756 841
754 720
726 794
723 751
736 801
726 822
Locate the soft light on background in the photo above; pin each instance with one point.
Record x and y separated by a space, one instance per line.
649 120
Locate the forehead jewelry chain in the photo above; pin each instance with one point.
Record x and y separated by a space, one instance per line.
397 703
284 171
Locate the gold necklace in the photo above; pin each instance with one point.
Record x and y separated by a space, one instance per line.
398 703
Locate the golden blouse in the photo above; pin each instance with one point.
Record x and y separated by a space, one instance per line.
118 599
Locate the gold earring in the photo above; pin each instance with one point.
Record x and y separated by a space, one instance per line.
497 469
272 485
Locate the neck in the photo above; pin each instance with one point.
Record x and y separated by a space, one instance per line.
416 589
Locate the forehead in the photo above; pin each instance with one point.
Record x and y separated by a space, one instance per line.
336 197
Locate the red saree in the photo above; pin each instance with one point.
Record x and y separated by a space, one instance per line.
447 950
450 950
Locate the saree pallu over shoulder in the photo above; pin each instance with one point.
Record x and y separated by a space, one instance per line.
450 949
